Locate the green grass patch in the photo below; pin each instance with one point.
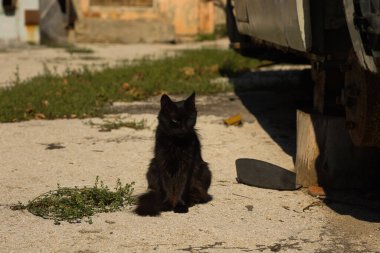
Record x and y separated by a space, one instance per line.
87 93
109 125
75 204
206 37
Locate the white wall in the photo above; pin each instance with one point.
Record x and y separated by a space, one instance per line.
8 27
12 28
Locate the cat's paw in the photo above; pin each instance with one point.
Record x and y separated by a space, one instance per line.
181 208
146 211
205 199
166 206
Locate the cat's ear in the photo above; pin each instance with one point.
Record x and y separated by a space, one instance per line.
190 101
166 102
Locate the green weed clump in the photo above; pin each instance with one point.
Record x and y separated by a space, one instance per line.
79 50
74 204
71 48
109 125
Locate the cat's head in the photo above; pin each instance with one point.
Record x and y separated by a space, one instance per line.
177 118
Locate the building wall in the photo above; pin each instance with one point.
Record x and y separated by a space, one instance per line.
13 28
28 32
187 17
8 28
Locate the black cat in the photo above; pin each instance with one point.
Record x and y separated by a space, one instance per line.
177 176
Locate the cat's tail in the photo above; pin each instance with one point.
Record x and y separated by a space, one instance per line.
148 204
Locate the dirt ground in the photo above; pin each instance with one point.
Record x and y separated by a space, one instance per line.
240 218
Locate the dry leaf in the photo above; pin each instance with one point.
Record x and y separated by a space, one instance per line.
234 120
39 116
188 71
214 68
126 86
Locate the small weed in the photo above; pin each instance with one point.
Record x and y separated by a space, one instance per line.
17 79
70 48
74 204
90 58
206 36
220 32
108 125
79 50
52 146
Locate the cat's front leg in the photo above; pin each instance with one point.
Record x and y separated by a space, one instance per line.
174 186
181 207
181 190
168 187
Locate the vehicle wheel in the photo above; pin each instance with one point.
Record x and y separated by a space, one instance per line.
361 97
328 85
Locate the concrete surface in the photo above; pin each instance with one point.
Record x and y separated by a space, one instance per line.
123 31
240 218
184 17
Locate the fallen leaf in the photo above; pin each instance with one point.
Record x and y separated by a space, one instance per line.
214 68
316 191
188 71
39 116
235 120
126 86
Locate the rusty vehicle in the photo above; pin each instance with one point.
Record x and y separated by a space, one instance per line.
341 40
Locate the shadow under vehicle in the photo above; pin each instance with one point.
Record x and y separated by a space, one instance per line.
338 137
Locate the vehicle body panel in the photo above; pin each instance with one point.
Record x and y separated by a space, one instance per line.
312 26
282 22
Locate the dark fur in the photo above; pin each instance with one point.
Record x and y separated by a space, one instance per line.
177 176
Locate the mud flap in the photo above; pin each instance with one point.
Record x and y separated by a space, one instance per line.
265 175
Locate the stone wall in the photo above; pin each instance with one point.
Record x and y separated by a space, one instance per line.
131 21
